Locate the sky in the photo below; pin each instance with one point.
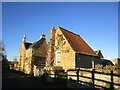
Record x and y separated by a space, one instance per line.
95 22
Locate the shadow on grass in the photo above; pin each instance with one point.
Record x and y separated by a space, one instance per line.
24 81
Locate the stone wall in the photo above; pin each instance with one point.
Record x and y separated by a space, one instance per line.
27 63
22 57
67 56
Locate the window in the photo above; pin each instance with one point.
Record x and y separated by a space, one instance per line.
26 54
58 57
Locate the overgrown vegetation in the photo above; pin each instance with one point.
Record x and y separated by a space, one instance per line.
108 68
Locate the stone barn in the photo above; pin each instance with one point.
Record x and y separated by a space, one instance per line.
33 54
69 51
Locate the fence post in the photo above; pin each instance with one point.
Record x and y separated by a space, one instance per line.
67 75
111 84
55 74
93 77
78 75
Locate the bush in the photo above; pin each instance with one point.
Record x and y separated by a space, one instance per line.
98 66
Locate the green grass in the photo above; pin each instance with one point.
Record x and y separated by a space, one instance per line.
62 75
118 67
107 85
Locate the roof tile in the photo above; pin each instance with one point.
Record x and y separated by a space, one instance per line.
77 43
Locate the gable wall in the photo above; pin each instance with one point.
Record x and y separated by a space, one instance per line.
67 57
22 57
28 60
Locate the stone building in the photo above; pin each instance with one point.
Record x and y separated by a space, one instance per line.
13 65
69 51
117 61
99 53
33 54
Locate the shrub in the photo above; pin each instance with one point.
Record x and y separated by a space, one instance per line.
98 66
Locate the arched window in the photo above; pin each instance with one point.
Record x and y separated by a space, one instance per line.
58 57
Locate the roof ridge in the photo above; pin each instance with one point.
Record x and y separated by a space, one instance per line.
36 42
33 44
68 31
78 44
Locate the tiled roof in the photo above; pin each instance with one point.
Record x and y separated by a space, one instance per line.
37 44
77 43
27 45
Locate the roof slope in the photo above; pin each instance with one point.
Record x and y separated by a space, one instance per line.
27 45
37 44
77 43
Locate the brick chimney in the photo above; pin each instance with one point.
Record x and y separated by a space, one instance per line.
50 60
52 35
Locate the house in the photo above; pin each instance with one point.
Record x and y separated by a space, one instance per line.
106 62
33 54
116 61
69 51
99 53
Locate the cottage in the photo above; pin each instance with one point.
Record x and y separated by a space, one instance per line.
33 54
69 51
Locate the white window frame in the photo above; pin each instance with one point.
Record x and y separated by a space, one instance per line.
26 54
58 53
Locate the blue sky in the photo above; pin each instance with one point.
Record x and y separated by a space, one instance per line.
96 23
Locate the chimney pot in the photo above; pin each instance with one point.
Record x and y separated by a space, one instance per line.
42 35
24 39
53 27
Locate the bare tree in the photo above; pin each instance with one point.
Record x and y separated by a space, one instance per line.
2 48
3 56
15 58
1 51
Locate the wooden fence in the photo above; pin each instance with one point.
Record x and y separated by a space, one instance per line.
93 72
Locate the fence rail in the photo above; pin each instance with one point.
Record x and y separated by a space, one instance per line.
93 72
92 78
